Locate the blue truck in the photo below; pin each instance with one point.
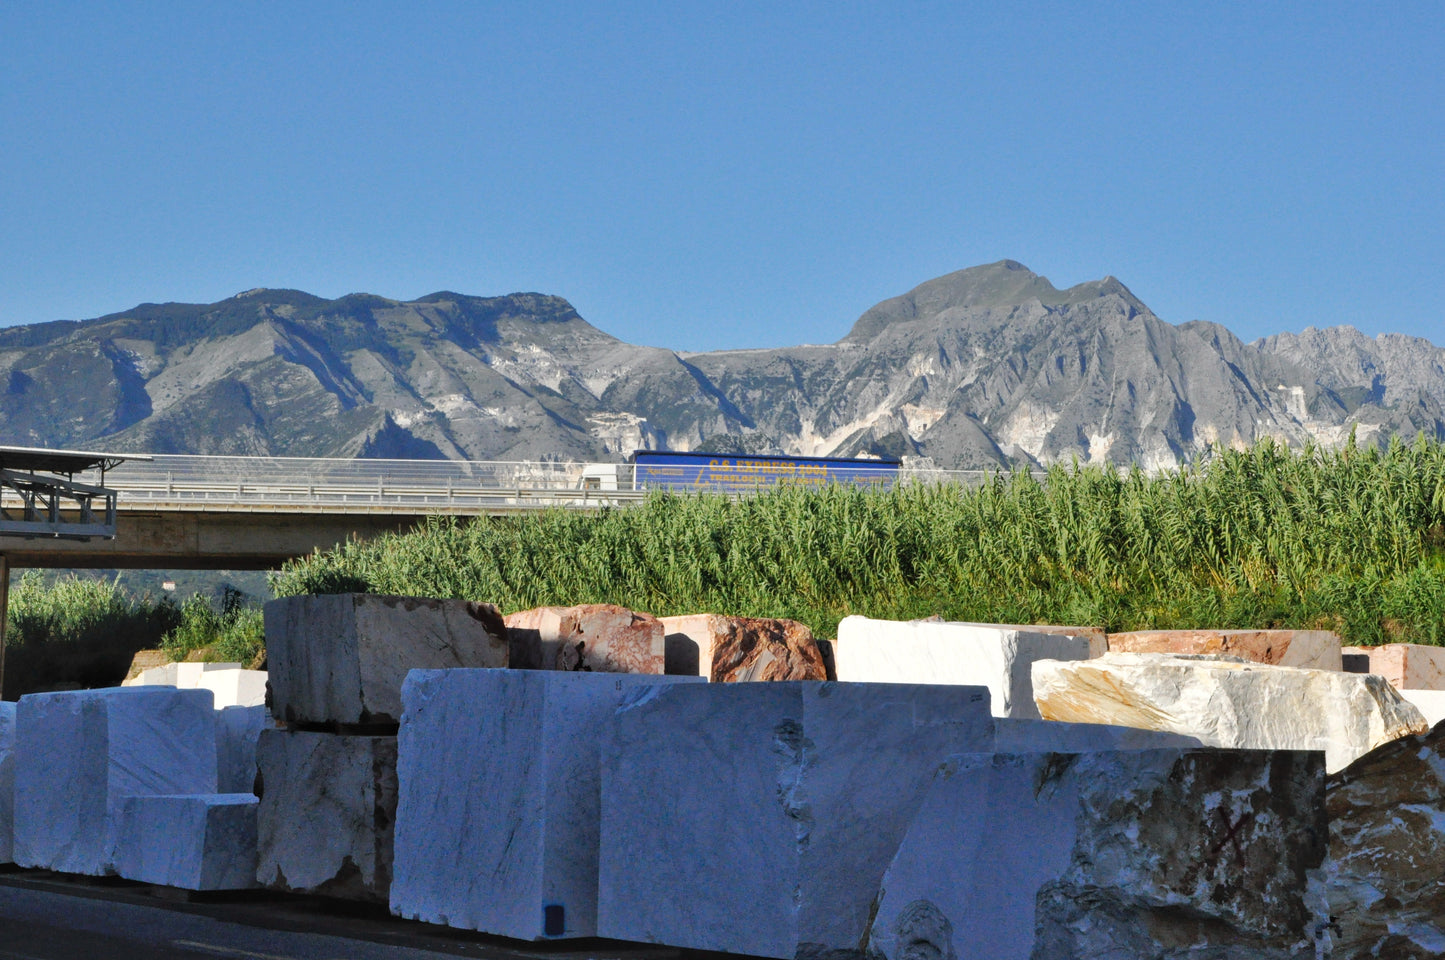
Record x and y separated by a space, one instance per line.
740 473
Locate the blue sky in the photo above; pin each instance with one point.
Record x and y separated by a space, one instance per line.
700 176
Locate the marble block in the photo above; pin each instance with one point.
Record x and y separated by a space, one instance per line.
939 652
499 798
759 818
1430 703
195 842
341 658
734 649
1013 735
235 687
237 730
1313 649
7 781
601 637
1409 666
327 812
1227 702
1055 856
187 676
79 753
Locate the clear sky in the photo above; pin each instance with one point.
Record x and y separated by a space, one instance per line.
734 174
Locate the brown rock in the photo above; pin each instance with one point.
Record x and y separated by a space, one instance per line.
734 649
145 660
1314 649
592 636
1385 873
1409 666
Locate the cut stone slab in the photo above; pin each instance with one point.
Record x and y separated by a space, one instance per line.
79 753
187 676
1107 854
327 812
341 658
1226 702
196 842
1312 649
235 687
1382 879
1012 735
237 730
1409 666
7 781
500 798
733 649
759 818
599 637
939 652
1430 703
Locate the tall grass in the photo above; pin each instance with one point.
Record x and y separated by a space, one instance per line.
1349 540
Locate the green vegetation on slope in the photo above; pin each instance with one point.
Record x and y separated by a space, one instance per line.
1348 540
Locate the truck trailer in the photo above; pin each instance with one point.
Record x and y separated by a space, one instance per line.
671 470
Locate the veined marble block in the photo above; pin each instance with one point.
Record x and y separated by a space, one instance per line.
733 649
341 658
1430 703
1055 856
237 730
1226 702
195 842
600 637
938 652
1312 649
759 818
79 753
7 781
1409 666
500 798
327 812
1012 735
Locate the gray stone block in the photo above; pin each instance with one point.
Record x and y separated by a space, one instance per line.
196 842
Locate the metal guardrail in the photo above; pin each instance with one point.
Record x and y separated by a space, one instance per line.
304 484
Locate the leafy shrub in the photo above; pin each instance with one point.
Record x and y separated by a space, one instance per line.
233 633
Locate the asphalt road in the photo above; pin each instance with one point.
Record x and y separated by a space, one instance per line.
44 917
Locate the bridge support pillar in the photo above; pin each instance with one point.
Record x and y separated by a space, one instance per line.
4 613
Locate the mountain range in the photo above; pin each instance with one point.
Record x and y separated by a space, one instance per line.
987 366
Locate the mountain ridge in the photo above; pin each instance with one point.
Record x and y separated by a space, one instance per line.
987 366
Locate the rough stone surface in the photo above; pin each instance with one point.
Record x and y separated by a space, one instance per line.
759 818
1229 703
1056 856
342 658
1409 666
1383 876
1314 649
500 798
328 807
196 842
7 781
79 753
1012 735
237 730
732 649
997 656
600 637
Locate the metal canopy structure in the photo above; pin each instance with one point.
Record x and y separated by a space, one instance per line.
39 496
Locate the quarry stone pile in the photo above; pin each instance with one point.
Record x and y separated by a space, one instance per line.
1226 702
341 658
193 842
784 804
1055 856
1312 649
734 649
1409 666
229 684
599 637
938 652
237 730
500 798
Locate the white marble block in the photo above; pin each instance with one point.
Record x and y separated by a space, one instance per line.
759 818
328 807
1012 735
341 658
499 798
1430 703
7 781
1055 856
237 730
195 842
79 753
186 675
935 651
234 687
1227 702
